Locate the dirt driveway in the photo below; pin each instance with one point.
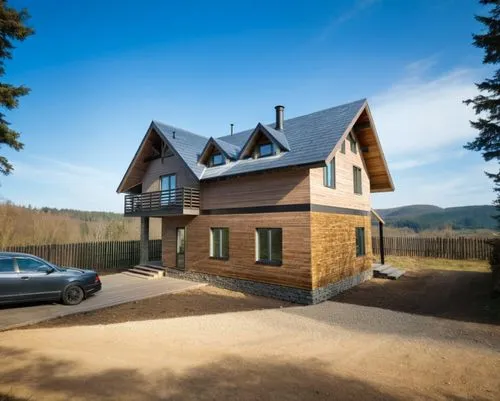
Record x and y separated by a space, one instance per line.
451 294
331 351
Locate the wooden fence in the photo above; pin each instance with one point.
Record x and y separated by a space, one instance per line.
435 247
99 256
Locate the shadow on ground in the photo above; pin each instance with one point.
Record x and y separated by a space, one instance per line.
205 301
457 295
229 378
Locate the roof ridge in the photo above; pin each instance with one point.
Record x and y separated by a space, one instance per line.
179 128
245 131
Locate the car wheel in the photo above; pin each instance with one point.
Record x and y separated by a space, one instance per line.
72 295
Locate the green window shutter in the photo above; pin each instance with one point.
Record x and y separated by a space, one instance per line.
360 241
333 183
276 244
224 243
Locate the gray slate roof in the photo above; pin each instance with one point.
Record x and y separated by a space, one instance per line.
310 139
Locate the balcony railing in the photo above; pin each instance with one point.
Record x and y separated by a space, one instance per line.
173 201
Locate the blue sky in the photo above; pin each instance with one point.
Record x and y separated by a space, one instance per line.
100 71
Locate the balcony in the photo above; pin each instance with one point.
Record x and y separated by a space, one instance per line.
177 201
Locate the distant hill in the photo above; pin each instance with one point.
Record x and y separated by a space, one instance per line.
430 217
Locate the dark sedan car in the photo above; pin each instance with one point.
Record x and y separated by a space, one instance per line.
26 277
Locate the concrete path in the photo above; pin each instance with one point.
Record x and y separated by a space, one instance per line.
116 289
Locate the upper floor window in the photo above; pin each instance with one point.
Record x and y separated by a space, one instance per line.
329 174
356 171
265 149
354 148
342 148
216 160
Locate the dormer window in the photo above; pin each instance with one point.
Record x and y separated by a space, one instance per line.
216 160
266 149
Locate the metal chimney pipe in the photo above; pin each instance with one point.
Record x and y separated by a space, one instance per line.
279 117
232 129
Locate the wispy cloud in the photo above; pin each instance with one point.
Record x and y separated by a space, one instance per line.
418 115
337 20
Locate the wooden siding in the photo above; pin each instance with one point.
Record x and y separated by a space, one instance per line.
294 272
343 194
170 165
266 189
380 179
333 253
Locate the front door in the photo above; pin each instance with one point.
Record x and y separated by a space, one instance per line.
180 248
168 183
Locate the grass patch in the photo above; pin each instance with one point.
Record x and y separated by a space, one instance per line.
417 263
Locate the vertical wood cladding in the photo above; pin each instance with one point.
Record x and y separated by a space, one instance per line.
170 165
266 189
343 194
333 252
295 270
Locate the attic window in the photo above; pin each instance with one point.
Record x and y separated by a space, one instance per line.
351 139
265 149
216 160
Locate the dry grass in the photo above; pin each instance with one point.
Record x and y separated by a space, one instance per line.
27 226
418 263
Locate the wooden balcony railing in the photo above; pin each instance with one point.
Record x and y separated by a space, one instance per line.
164 202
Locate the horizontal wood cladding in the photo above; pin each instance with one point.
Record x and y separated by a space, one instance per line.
294 272
271 188
170 165
333 250
373 156
343 194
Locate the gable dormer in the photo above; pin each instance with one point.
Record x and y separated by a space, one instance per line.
218 152
264 141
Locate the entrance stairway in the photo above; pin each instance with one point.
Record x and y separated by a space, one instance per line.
147 271
387 271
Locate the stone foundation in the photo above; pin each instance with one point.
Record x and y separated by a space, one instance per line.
290 294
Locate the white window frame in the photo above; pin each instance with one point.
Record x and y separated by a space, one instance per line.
219 231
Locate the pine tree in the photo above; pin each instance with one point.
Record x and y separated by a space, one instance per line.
12 27
487 103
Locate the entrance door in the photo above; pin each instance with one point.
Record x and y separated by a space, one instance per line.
180 248
168 183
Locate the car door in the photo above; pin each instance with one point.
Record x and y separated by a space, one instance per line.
34 281
9 280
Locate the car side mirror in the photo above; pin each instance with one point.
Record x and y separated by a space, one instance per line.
50 270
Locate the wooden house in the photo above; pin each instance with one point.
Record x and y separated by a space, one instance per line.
280 210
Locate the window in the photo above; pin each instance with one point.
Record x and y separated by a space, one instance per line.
216 160
167 183
219 243
266 149
269 245
353 143
329 174
6 265
360 241
342 148
28 265
357 180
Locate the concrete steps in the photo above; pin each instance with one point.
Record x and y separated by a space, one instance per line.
146 271
387 272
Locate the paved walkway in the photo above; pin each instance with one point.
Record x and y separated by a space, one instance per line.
116 289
